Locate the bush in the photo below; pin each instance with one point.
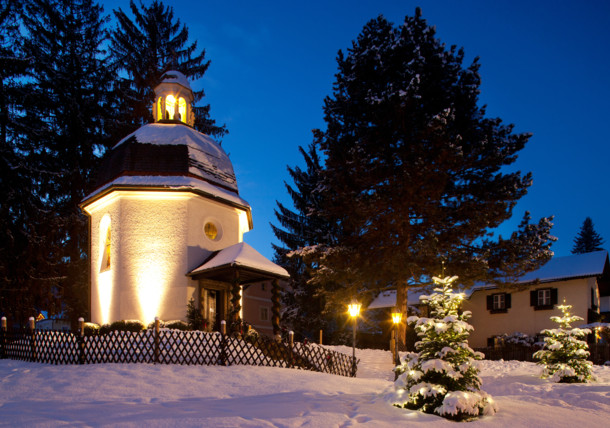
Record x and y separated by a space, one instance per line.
91 328
517 338
177 325
123 325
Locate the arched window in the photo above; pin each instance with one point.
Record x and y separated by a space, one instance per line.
105 244
182 109
170 107
160 109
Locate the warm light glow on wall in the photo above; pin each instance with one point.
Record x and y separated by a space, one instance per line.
244 225
152 282
108 199
104 277
104 292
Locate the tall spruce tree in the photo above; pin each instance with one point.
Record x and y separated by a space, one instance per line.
587 240
22 225
65 111
415 173
145 47
304 307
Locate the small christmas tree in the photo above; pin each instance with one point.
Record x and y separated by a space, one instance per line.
564 355
193 316
442 377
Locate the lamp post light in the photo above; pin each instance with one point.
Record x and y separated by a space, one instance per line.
396 319
354 310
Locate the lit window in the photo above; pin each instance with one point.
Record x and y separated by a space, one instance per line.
170 107
181 110
105 245
264 314
159 109
544 297
499 301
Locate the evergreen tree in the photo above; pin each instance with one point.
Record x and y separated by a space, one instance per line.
303 305
193 316
65 111
145 47
442 377
22 291
587 240
564 356
414 171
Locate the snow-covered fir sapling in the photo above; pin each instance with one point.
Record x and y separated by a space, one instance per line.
442 376
564 356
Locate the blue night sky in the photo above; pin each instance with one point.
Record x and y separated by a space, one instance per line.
544 65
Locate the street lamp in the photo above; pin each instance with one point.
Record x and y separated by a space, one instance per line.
396 318
354 310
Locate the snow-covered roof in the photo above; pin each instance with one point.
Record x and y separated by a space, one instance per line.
387 299
173 76
206 158
568 267
241 255
557 269
562 269
154 182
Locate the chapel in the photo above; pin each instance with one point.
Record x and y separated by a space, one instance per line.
167 224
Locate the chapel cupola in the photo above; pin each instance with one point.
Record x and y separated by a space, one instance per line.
173 99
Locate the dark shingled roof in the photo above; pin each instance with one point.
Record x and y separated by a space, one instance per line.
133 158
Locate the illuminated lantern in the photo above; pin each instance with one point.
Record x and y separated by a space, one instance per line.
173 99
167 201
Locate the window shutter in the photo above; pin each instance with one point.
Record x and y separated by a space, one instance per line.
507 300
553 296
533 298
490 302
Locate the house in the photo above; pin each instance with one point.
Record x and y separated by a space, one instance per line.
166 224
581 280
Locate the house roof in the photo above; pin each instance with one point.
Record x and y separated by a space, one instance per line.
251 265
557 269
387 299
569 267
562 269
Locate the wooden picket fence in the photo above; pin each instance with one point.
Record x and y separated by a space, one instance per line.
160 346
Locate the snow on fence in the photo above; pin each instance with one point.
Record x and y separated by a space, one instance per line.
168 347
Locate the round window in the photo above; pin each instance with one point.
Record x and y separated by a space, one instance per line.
211 231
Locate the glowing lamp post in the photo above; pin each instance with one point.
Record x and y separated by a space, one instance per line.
396 319
354 310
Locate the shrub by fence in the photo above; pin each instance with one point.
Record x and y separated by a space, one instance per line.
161 346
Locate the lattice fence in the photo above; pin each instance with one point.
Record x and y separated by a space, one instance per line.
169 347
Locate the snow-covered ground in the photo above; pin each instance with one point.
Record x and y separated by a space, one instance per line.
39 395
